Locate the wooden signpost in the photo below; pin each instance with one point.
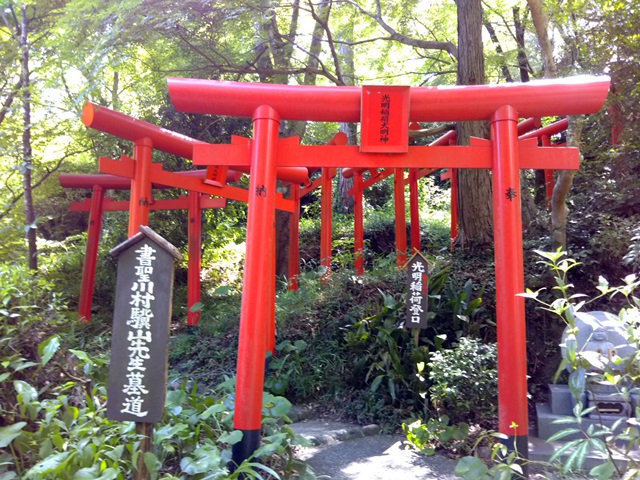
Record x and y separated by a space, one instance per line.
418 297
140 338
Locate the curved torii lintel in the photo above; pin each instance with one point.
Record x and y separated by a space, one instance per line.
567 96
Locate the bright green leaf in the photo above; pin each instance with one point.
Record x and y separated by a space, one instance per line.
48 348
9 433
471 468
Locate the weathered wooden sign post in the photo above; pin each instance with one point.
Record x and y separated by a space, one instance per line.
140 338
418 298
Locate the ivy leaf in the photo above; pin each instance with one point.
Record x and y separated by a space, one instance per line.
151 462
48 465
197 307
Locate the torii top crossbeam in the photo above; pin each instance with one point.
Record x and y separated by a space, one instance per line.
570 96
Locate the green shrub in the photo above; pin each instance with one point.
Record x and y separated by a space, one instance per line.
464 381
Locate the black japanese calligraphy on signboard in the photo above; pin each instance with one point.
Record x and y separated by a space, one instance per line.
417 298
385 109
140 338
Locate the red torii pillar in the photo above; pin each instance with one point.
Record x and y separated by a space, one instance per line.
326 223
500 103
358 224
414 208
140 186
401 217
294 239
194 282
258 295
91 254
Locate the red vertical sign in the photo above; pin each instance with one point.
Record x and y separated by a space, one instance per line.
385 119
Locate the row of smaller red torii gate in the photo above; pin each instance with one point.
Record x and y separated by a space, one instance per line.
110 121
384 145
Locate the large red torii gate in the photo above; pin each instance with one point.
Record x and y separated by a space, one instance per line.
502 105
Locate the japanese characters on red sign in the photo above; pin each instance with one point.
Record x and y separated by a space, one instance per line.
385 119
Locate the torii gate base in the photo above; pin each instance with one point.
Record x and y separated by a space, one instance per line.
503 154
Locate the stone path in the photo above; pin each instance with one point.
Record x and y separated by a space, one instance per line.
348 452
344 451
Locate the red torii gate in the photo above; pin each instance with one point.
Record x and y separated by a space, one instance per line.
141 174
98 204
502 105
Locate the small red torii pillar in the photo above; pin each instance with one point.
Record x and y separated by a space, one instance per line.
503 154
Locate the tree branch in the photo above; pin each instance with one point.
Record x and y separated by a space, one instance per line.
399 37
9 100
49 171
494 38
430 132
334 54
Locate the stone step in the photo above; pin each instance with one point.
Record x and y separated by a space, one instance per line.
327 432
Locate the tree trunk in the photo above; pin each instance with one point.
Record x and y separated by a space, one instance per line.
27 152
559 209
281 49
523 62
344 201
475 213
494 38
541 22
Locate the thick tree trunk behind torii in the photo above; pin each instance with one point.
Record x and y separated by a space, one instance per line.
476 217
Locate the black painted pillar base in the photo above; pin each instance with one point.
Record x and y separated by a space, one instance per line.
519 444
245 448
267 364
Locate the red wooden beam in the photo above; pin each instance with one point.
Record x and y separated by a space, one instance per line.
113 182
123 126
551 129
474 156
180 203
125 166
568 96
